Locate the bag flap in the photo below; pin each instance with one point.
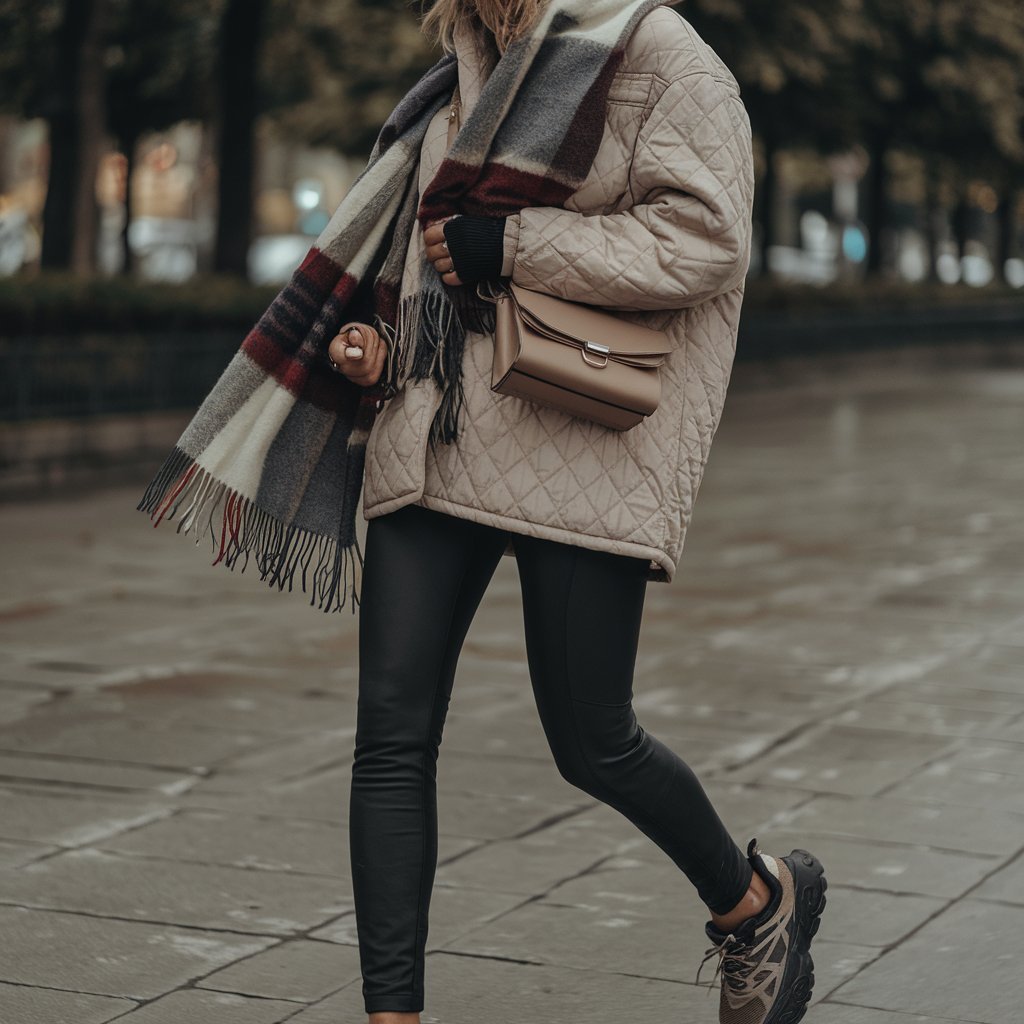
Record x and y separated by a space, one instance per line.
583 322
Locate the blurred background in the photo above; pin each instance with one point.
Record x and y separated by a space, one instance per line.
160 141
164 167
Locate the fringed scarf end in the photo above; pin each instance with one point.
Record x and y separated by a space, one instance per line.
280 550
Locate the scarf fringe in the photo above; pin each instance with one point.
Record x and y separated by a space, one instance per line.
428 340
237 528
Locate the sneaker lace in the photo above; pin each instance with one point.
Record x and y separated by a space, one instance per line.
731 964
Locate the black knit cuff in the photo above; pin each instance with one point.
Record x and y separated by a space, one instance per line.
476 245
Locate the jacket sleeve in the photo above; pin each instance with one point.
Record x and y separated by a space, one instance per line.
685 239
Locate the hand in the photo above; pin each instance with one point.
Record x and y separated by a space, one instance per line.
358 352
433 237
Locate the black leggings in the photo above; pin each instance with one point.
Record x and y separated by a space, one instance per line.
424 575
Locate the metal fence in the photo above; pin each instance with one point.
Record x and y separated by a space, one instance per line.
86 375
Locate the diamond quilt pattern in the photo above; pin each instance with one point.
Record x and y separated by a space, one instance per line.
660 232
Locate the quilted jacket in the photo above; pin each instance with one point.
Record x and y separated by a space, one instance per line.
659 231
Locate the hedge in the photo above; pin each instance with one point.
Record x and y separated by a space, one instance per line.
54 303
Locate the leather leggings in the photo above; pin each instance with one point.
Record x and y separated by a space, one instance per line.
424 575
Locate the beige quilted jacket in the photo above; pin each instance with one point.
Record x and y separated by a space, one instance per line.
660 230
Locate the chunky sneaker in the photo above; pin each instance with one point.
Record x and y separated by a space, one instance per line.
766 966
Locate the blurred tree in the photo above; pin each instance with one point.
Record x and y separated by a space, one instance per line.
790 60
944 78
240 38
51 66
335 71
159 63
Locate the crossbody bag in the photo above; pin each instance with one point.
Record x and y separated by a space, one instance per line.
571 356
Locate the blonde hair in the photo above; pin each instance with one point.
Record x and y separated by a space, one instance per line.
505 19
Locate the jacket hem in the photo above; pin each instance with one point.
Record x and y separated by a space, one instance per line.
662 572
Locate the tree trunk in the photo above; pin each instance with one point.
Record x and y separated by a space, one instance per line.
131 146
76 135
961 224
932 213
92 129
240 33
64 138
1006 215
878 206
769 195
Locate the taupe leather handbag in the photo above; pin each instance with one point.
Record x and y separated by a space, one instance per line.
572 356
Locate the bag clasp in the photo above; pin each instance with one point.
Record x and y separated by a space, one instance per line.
591 347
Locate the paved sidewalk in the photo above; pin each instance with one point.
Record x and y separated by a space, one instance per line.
839 659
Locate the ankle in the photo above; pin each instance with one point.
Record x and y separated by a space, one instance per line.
389 1017
754 900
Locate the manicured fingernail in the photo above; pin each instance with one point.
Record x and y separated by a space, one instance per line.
353 351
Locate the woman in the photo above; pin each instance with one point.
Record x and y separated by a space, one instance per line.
604 156
660 230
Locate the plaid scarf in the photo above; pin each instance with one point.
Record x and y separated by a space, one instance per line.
272 461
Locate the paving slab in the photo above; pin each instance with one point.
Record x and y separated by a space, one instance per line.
995 756
536 862
243 841
461 989
835 963
877 918
1005 885
93 774
623 917
481 816
838 659
844 760
944 782
297 970
921 718
975 940
1012 731
960 690
747 809
320 795
16 703
120 738
230 701
96 956
15 854
992 666
889 867
200 1007
24 1005
836 1013
887 819
281 761
200 895
42 816
453 912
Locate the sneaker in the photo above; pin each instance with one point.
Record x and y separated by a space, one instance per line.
766 966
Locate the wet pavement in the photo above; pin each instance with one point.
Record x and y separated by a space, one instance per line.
839 658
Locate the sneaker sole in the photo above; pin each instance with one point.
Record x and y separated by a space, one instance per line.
809 885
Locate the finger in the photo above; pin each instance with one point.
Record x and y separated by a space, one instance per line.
358 341
433 234
434 231
367 342
346 351
444 265
451 277
437 252
443 262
